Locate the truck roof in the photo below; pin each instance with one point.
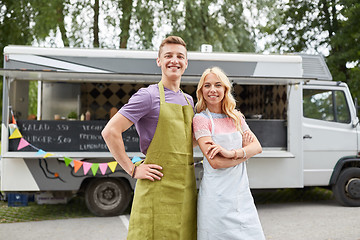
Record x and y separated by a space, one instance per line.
75 64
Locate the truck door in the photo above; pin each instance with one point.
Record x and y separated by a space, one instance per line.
328 132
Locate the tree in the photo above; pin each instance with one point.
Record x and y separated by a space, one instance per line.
220 24
15 18
310 26
125 6
344 60
49 16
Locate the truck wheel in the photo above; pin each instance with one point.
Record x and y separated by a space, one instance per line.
347 188
107 196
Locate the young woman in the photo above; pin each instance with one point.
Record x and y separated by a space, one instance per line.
226 208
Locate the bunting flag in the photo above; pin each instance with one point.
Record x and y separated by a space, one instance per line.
23 143
135 159
40 152
12 128
86 167
67 161
94 168
77 164
15 134
112 165
48 155
103 167
13 119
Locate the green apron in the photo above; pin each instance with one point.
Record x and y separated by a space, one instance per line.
166 209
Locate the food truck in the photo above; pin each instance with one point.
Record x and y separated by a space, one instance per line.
306 123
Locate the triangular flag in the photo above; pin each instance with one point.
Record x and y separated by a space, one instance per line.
12 128
135 159
41 152
67 161
15 134
86 167
112 165
48 155
77 165
94 168
103 168
23 143
13 120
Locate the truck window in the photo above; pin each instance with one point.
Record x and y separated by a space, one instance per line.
327 105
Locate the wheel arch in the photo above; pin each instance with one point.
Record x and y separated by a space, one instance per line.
342 163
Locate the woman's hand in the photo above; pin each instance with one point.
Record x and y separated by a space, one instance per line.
248 137
217 149
148 171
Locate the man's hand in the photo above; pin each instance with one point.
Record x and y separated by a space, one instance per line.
148 171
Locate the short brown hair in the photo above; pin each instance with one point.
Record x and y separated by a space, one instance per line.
171 40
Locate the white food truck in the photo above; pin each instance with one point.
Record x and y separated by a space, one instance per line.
306 122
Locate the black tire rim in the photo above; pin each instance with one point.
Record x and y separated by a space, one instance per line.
107 195
352 188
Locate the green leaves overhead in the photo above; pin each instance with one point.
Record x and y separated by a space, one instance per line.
331 27
118 23
219 23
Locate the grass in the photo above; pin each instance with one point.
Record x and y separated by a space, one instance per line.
76 207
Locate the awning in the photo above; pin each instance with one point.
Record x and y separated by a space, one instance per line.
65 76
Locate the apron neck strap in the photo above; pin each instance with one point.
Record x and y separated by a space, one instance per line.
162 93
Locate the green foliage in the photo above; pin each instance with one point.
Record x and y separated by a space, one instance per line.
26 22
33 91
311 26
15 27
220 24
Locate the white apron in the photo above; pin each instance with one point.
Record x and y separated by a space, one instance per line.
226 208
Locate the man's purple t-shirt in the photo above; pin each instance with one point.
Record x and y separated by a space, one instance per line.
143 110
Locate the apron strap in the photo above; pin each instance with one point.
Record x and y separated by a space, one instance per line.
212 121
162 93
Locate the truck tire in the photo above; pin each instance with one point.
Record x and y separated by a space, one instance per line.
347 188
107 196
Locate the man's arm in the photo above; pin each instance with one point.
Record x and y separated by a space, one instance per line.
112 134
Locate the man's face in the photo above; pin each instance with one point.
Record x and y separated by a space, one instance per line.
172 60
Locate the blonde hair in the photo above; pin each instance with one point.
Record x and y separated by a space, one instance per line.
171 40
228 103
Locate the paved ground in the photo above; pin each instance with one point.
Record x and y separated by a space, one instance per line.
310 221
323 220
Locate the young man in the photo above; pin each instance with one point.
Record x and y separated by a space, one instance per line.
164 205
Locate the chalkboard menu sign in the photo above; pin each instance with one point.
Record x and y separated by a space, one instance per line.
65 136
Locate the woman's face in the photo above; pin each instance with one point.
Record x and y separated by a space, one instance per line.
213 91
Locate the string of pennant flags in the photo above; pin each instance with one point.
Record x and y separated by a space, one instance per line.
77 164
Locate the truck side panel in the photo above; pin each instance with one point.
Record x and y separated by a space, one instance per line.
17 176
282 168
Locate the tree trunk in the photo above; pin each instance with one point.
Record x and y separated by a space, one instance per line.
126 9
96 24
61 23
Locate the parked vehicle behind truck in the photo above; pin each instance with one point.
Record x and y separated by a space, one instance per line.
306 123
